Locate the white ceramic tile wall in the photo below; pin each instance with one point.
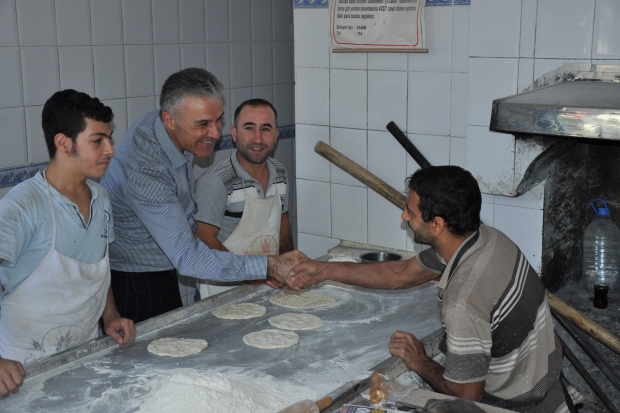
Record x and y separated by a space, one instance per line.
477 53
123 50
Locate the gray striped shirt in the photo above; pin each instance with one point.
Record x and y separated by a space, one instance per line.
151 186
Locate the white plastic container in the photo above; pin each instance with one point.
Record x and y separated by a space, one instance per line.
601 250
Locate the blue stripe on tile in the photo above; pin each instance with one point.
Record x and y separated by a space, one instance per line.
311 4
17 174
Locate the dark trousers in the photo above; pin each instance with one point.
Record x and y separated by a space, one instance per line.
142 295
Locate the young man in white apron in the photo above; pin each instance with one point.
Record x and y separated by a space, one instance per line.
242 201
54 234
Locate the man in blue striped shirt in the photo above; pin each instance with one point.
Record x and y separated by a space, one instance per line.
152 185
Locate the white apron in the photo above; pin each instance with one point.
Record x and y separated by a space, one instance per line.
258 233
57 307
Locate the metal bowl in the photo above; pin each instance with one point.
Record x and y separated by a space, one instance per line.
379 256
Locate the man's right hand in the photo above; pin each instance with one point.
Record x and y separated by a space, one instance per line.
279 270
12 375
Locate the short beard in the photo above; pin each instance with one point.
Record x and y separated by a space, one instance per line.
74 150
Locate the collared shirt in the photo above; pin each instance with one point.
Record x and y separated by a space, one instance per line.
151 186
221 191
26 229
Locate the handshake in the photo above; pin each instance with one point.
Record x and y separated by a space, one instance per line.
293 270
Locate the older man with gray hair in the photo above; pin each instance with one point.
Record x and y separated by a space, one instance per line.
151 186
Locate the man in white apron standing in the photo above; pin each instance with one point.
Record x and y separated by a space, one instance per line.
243 201
54 234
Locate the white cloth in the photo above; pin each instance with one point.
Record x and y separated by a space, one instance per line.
57 307
258 233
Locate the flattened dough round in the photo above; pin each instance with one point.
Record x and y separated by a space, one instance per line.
240 311
296 321
271 338
301 299
177 347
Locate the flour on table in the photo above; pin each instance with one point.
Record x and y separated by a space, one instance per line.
194 391
240 311
342 259
271 338
296 321
301 299
176 347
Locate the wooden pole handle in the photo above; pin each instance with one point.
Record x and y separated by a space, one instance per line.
398 199
586 324
372 181
324 403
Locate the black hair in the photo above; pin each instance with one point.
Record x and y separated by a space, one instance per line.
255 103
192 81
451 193
66 112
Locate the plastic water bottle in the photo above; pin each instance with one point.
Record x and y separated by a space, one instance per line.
601 254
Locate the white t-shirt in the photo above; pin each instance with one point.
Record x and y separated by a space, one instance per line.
26 229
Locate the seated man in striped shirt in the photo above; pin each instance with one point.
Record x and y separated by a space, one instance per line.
501 347
152 185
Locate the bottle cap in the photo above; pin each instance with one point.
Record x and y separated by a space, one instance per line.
604 211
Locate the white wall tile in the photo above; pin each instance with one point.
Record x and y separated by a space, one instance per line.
460 39
528 27
438 27
13 138
106 21
385 228
265 92
8 24
262 63
348 60
458 152
490 159
193 55
352 144
313 207
192 15
348 98
314 246
606 30
140 70
349 212
487 214
167 62
39 73
285 154
36 25
109 72
564 29
217 20
458 105
284 101
166 21
3 192
119 123
489 79
136 107
311 45
526 74
309 164
524 227
35 140
436 150
429 103
218 61
283 62
283 20
137 22
76 68
387 159
495 28
73 22
11 79
387 99
238 96
312 96
387 61
240 64
533 199
240 20
261 20
488 198
292 200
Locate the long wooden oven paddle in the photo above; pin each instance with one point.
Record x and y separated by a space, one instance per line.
308 406
399 200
